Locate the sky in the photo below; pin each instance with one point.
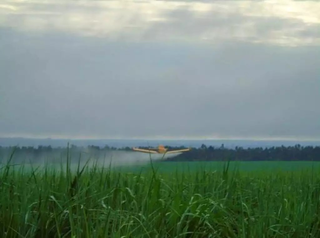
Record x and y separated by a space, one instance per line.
160 69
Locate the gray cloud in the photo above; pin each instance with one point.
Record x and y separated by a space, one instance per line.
104 69
192 21
76 86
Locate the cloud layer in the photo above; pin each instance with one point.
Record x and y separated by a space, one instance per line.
155 69
290 23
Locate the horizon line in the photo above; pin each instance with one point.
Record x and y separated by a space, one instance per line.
167 138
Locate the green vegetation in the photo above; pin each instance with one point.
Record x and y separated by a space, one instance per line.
157 202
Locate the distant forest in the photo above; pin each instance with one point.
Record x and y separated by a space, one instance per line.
203 153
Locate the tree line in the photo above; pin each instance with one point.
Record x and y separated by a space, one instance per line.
203 153
282 153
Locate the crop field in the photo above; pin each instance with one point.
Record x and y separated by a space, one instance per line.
159 199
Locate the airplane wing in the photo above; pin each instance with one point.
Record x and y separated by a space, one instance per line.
177 151
145 151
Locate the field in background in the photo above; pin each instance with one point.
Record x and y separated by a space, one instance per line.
162 199
241 166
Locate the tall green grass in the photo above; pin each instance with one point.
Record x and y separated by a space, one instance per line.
102 202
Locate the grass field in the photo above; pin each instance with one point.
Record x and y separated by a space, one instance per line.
251 199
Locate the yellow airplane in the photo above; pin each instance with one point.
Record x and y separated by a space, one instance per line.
160 150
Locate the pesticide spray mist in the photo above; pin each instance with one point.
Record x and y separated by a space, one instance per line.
79 157
126 158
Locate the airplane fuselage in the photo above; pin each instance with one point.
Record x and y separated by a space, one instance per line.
161 149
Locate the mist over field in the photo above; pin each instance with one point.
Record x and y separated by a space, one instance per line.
81 157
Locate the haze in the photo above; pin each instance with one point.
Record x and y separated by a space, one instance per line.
160 69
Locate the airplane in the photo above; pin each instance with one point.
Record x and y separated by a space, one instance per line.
160 150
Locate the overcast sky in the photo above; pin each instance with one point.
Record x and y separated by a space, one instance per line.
153 69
